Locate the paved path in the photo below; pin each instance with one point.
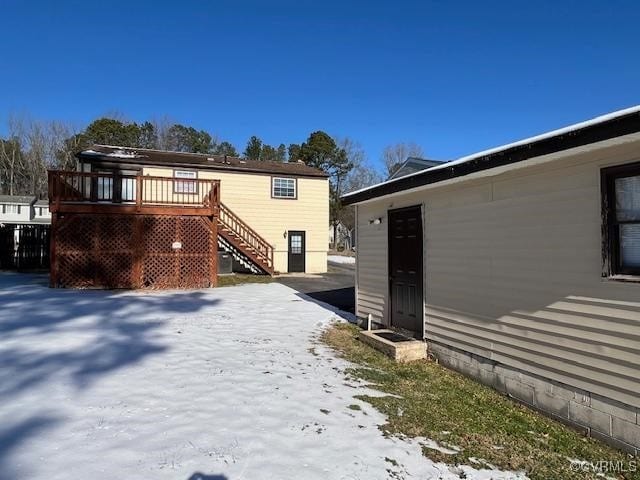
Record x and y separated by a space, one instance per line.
226 383
336 287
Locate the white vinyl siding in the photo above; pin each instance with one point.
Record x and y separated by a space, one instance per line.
513 272
283 187
250 197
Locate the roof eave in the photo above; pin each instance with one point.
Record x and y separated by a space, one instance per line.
213 166
616 127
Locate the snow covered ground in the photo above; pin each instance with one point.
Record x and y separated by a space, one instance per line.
341 259
226 383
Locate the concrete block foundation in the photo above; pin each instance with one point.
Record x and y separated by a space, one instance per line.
610 421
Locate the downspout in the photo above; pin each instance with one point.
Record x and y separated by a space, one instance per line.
356 273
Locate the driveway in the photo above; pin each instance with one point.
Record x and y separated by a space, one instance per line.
215 384
336 287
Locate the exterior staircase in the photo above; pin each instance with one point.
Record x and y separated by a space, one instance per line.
243 243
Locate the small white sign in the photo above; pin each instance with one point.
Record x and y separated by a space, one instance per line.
176 245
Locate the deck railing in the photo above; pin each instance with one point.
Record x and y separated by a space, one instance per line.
113 188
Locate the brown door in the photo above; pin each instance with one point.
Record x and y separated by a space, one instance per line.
405 269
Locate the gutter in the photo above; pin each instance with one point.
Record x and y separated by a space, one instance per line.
610 126
127 163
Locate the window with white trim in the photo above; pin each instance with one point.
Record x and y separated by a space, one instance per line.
185 181
14 209
621 186
283 187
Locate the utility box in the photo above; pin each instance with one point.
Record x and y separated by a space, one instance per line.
225 263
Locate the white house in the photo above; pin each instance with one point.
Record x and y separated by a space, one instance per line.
24 232
24 209
346 236
16 208
41 213
520 266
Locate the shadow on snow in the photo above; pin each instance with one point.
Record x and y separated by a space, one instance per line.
202 476
105 331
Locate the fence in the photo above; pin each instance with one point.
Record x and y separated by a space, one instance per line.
24 246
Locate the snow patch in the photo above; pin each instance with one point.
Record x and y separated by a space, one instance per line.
229 381
341 259
117 154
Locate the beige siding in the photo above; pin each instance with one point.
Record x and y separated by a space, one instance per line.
249 196
513 273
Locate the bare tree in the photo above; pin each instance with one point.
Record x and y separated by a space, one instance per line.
66 141
10 165
162 127
39 154
13 159
31 149
363 174
394 155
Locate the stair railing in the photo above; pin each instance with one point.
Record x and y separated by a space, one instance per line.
263 249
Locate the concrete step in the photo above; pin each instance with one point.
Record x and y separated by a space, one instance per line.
394 345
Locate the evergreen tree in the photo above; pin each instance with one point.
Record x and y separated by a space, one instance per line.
253 150
321 151
225 148
294 152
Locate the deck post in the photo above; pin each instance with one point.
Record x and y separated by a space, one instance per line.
57 190
136 271
213 264
53 262
139 191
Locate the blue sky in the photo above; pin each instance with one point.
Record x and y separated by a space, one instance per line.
454 77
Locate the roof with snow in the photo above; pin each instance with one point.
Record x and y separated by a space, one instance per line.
126 156
413 165
605 127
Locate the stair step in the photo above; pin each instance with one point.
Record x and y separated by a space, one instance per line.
235 243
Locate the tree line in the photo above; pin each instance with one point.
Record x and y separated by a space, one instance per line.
31 147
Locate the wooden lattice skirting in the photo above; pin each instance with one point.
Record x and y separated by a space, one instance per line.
133 251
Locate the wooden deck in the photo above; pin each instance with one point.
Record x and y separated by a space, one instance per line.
113 194
92 192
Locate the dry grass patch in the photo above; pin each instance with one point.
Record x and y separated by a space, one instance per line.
242 278
434 402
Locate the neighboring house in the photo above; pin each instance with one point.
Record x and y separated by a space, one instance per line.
270 216
346 236
16 209
413 165
24 232
520 266
41 213
24 209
